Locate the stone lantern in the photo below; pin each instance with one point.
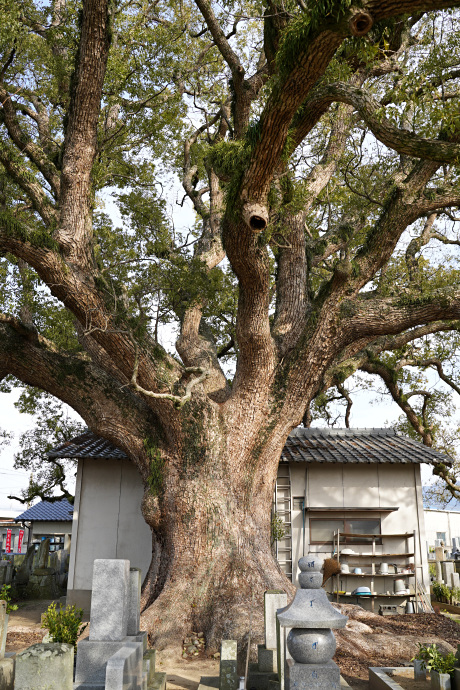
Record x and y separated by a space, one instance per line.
311 641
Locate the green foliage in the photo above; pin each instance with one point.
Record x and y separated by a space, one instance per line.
434 660
157 464
53 425
64 625
441 591
5 595
277 529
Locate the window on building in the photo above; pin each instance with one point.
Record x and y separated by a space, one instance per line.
322 530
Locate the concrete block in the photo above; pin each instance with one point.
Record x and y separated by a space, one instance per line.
228 665
92 658
3 628
45 667
149 657
109 600
124 668
314 676
273 600
260 681
159 681
7 674
142 637
267 659
440 681
134 601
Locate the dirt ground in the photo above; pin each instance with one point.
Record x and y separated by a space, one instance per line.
24 629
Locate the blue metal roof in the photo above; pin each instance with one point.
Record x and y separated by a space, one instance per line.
48 511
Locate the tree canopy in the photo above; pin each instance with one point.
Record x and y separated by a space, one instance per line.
317 145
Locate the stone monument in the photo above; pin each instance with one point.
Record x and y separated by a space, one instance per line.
311 641
111 658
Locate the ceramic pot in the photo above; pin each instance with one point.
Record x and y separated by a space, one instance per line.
440 681
399 586
383 569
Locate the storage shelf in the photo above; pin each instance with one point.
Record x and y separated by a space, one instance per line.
372 596
406 535
399 576
376 555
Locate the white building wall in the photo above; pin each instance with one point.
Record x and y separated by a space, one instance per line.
107 522
359 486
442 521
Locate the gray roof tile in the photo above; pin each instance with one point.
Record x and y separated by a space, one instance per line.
87 445
302 445
357 446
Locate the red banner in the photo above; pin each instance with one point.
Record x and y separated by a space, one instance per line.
8 541
21 537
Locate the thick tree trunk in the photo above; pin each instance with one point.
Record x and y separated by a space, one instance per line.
214 520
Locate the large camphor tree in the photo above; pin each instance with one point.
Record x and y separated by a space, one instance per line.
318 144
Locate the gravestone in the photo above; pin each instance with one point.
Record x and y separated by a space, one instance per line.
25 570
438 566
3 628
448 568
439 553
134 601
273 600
42 556
45 667
6 573
109 599
112 595
311 641
228 673
455 580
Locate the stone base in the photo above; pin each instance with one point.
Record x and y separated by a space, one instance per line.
267 661
6 674
313 676
92 658
260 681
158 682
45 667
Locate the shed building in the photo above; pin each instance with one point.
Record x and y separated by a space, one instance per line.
330 482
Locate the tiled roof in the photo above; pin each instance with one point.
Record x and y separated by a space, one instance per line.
357 445
87 445
48 511
302 445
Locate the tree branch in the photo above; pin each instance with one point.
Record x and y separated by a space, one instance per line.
80 144
400 140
